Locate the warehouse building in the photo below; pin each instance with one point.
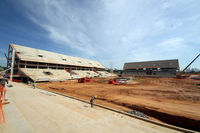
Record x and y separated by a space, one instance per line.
160 68
29 64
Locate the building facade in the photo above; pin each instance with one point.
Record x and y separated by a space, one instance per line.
160 68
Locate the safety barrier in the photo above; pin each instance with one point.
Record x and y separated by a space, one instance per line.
1 109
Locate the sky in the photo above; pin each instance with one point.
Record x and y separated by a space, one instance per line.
110 31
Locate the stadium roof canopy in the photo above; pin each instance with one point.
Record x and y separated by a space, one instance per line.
36 55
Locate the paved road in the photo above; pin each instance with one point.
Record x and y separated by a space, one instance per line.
37 111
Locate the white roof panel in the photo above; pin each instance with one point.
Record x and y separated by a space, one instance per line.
36 55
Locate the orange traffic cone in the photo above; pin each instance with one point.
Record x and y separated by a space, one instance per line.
1 109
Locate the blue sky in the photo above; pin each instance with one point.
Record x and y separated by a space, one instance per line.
109 31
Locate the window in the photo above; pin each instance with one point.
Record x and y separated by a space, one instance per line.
79 62
52 67
21 66
31 66
42 67
64 59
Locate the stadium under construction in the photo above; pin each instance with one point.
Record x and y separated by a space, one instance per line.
29 64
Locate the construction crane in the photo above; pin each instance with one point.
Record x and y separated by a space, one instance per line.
181 73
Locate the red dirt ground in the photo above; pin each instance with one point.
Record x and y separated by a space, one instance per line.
172 101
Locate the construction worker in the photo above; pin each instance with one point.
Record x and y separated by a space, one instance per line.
3 80
92 100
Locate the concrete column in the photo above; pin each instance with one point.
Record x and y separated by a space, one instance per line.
8 56
12 65
25 65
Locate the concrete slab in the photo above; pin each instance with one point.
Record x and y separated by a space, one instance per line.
33 110
15 122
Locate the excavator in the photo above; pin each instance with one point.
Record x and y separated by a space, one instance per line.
180 75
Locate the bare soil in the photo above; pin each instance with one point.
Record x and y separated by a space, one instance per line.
173 101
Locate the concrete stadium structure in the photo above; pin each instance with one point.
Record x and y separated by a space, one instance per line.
160 68
29 64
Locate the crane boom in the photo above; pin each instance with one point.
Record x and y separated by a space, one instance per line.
189 64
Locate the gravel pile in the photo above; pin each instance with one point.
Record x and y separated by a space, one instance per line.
137 113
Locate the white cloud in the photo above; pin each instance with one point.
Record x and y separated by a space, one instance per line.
172 44
118 30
